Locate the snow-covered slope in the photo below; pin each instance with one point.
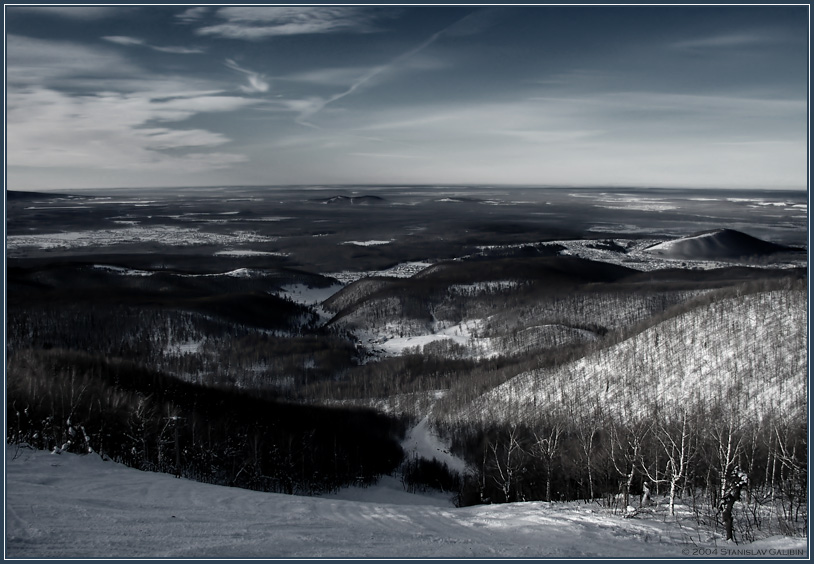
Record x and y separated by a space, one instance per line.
748 350
718 244
64 506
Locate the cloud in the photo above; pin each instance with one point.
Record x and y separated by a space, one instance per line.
477 22
123 40
547 136
257 82
254 23
336 76
178 50
70 105
193 15
127 41
374 72
727 41
39 61
64 65
71 12
113 131
385 155
636 138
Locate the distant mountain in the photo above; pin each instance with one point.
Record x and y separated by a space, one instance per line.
365 200
717 244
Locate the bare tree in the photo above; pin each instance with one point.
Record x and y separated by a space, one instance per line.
546 446
728 445
506 462
675 442
626 444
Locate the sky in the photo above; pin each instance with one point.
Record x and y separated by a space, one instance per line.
147 96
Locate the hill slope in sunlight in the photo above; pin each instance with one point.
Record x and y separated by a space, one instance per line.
747 352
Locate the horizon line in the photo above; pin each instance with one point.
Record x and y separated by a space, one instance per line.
316 186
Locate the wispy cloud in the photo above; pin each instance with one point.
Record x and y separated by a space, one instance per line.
65 65
336 76
123 40
71 12
178 50
254 23
385 155
113 131
257 82
193 15
374 72
134 41
99 111
728 40
39 61
628 137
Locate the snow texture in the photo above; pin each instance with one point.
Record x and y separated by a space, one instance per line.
752 348
164 235
71 506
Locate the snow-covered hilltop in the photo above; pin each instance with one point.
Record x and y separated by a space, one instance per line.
716 244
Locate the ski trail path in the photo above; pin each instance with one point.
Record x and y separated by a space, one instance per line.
70 506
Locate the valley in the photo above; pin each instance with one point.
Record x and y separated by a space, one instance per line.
625 348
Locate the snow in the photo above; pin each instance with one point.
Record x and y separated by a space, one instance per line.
401 270
638 253
268 219
71 506
622 201
123 271
370 243
383 340
489 287
236 273
165 235
668 245
676 363
423 442
185 347
306 295
389 490
248 253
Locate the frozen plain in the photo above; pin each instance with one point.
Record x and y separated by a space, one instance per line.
70 506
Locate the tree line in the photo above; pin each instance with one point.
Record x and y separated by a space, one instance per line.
78 402
706 457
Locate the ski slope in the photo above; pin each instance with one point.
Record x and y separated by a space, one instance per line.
71 506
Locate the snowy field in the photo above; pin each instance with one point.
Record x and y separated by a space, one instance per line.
163 235
71 506
402 270
638 256
385 341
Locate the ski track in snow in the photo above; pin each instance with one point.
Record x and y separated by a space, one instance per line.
64 506
423 442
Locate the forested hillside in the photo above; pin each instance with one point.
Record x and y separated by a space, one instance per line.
744 353
707 401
